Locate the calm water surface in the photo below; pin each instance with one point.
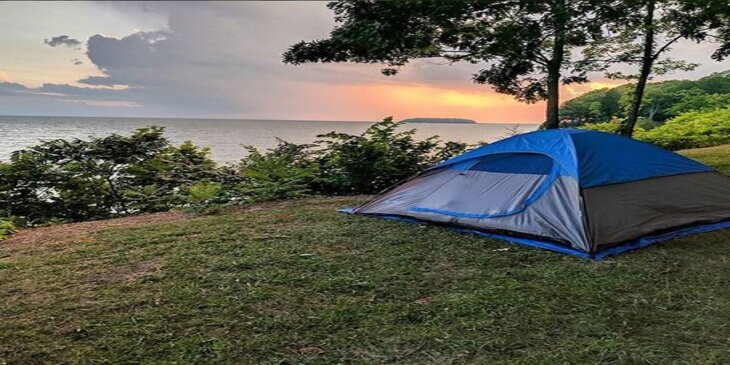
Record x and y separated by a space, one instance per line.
225 137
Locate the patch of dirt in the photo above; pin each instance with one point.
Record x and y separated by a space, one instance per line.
84 230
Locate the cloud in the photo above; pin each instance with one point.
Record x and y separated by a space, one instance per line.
63 40
11 88
104 103
63 93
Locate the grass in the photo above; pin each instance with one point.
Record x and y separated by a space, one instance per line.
717 157
297 283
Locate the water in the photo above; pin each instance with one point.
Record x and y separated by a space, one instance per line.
225 137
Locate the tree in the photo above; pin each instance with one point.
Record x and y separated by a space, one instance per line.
643 39
701 103
662 101
592 107
526 44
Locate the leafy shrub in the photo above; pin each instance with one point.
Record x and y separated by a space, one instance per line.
692 130
376 159
100 178
608 127
78 180
285 172
7 228
204 195
689 130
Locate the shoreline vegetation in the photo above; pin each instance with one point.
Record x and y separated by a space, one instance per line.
79 180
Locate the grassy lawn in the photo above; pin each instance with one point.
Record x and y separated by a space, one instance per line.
717 157
295 282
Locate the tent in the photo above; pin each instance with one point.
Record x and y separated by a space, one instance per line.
586 193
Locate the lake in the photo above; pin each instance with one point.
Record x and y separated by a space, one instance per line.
225 137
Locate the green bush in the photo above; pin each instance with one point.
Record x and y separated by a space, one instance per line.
77 180
100 178
692 130
7 228
285 172
689 130
376 159
203 196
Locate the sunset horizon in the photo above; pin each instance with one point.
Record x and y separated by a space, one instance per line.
224 60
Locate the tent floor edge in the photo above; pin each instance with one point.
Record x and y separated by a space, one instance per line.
511 239
650 240
597 256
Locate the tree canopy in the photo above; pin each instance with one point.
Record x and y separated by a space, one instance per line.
525 45
662 101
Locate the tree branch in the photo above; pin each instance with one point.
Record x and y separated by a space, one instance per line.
664 47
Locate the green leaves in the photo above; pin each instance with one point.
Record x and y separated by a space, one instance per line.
100 178
525 45
116 175
7 228
692 130
376 159
661 101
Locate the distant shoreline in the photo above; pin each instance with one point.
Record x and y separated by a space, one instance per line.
255 120
439 120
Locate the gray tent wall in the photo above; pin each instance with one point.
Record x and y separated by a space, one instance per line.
433 196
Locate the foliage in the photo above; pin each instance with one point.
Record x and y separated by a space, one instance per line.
700 103
593 107
376 159
608 127
525 45
100 178
118 175
285 172
662 101
6 228
646 31
692 130
689 130
203 195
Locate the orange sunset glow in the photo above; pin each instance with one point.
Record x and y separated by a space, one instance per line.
478 102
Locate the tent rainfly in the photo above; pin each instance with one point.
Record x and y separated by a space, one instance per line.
585 193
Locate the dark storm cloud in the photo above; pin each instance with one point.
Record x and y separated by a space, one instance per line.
63 40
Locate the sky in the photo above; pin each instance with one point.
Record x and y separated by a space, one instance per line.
223 60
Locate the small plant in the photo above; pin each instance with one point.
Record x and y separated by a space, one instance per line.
7 228
202 197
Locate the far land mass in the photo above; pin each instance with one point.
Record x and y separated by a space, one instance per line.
439 120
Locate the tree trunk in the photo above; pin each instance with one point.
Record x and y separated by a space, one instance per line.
552 120
647 61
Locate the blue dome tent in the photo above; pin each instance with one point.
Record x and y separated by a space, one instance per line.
586 193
